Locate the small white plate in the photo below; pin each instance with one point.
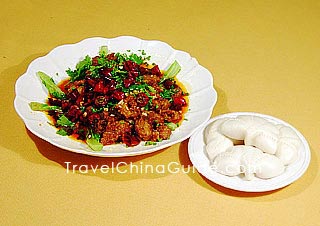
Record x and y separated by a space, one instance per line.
198 157
197 80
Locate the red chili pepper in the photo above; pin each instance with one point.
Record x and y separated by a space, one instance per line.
130 141
95 61
133 74
93 117
128 82
111 85
156 71
90 81
106 72
99 87
142 99
111 56
130 66
118 95
143 70
105 89
74 112
180 101
168 84
65 104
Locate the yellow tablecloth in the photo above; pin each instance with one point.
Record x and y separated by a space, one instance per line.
264 56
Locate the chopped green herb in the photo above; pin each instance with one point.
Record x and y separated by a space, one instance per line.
81 69
151 89
147 143
167 94
97 110
135 58
84 64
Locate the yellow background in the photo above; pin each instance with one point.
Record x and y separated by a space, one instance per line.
264 56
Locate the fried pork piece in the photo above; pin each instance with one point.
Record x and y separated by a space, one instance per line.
164 132
143 129
161 133
171 115
178 92
73 85
153 117
115 131
100 126
128 107
151 80
109 137
151 127
160 103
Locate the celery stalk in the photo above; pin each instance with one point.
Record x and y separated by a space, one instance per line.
103 51
173 70
94 144
52 88
172 126
36 106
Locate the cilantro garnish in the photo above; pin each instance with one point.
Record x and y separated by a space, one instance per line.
62 132
86 67
64 121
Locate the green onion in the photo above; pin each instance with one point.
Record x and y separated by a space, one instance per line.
151 89
172 126
36 106
147 143
103 51
173 70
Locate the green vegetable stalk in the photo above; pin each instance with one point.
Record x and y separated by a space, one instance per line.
103 51
172 71
93 142
64 121
36 106
172 126
52 88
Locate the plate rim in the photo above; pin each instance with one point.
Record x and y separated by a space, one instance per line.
152 148
204 172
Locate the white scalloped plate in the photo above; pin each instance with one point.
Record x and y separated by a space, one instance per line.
197 80
199 159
